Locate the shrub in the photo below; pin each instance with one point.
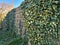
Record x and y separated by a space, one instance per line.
42 20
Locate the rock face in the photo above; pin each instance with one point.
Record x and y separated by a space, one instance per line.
12 26
14 21
18 20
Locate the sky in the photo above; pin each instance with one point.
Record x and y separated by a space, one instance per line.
16 2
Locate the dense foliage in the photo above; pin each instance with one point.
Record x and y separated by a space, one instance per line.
42 21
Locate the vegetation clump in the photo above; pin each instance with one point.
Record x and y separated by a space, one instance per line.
42 21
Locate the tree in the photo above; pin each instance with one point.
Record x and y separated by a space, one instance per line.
3 13
4 9
42 20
